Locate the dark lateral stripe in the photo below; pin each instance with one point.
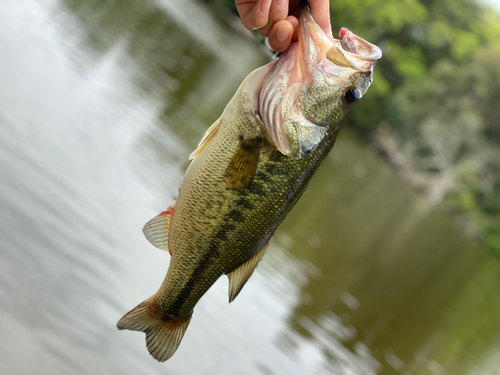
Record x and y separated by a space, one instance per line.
208 258
205 263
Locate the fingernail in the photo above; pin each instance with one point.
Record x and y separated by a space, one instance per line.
281 3
282 34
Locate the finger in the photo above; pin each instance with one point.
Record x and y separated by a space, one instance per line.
295 24
254 14
278 12
320 12
280 35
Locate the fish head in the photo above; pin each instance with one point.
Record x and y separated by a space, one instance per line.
312 84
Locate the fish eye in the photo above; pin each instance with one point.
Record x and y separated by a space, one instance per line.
351 95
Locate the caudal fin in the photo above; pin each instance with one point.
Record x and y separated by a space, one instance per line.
163 335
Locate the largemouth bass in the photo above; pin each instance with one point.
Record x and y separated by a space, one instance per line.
248 172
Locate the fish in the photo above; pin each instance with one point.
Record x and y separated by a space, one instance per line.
249 170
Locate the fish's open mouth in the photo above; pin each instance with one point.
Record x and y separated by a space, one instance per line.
348 51
340 58
304 91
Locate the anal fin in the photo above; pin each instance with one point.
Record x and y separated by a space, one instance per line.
243 164
157 229
240 276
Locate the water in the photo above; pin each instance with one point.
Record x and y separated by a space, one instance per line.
101 102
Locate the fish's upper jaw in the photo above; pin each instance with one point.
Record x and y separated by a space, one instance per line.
352 51
351 55
354 44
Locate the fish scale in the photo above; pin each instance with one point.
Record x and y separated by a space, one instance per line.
248 172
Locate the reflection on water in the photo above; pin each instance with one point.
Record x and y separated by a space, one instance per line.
101 102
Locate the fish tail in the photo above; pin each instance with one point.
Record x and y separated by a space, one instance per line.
163 334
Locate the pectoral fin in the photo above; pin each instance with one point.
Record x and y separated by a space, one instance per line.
156 230
243 165
240 276
209 135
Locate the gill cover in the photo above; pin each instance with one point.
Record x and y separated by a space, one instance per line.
302 96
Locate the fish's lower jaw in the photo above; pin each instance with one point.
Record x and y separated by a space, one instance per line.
163 334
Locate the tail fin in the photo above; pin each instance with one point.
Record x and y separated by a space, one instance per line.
163 334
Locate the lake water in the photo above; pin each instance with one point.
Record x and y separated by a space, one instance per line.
101 103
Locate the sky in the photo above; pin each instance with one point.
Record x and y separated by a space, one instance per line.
495 4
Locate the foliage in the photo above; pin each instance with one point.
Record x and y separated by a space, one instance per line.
435 96
438 90
450 132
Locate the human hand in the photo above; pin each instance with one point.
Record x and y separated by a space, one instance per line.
275 19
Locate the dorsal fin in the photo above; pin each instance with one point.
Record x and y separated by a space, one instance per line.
209 135
240 275
156 230
243 164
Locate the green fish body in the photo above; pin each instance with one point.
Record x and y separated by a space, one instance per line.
248 172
